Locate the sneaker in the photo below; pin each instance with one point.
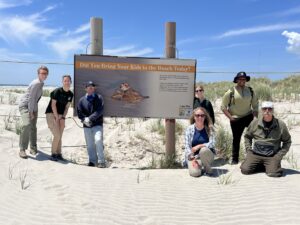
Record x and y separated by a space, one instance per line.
59 157
102 165
53 157
91 164
33 151
22 154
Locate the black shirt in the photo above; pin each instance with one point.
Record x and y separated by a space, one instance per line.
206 104
62 99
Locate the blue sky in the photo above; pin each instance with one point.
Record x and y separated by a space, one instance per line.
224 36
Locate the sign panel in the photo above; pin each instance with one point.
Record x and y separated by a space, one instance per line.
138 87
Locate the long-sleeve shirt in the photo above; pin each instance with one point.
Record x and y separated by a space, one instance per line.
278 136
93 109
242 104
32 96
189 135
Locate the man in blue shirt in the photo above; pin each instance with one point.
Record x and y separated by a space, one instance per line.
90 112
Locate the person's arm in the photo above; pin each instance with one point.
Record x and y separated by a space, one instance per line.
99 110
80 110
254 104
212 140
225 103
54 109
33 97
286 141
66 110
248 137
228 115
211 109
188 144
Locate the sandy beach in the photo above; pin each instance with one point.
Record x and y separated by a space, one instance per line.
71 193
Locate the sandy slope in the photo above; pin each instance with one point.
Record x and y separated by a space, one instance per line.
68 193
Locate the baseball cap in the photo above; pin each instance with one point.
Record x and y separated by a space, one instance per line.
267 104
90 83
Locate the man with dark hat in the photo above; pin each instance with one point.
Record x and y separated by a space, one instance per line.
90 112
240 105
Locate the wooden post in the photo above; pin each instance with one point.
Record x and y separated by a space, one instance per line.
170 49
96 36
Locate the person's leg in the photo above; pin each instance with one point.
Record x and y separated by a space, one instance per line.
91 149
24 133
98 134
206 157
61 129
195 168
54 128
237 131
273 166
252 164
33 135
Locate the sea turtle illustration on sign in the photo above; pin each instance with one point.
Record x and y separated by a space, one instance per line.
127 94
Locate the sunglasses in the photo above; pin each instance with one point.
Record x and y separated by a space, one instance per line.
200 115
267 108
199 90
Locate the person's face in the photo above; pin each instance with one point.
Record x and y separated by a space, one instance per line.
199 116
241 81
90 90
43 74
199 92
66 83
267 114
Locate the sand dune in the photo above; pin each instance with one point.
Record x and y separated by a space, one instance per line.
71 193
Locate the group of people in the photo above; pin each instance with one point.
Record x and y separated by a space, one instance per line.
267 138
89 110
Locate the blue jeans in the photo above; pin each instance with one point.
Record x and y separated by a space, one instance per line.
94 142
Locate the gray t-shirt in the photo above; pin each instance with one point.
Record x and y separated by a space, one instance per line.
32 96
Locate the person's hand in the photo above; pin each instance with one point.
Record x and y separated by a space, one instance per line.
231 118
87 122
195 148
31 115
191 157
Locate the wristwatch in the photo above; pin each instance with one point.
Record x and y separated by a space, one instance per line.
63 117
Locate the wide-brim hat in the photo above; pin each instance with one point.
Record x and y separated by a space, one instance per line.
239 75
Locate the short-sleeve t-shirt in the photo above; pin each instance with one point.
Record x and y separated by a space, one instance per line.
62 99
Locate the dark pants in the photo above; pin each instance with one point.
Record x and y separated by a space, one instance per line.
237 128
256 163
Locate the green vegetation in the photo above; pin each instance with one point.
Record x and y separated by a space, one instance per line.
285 89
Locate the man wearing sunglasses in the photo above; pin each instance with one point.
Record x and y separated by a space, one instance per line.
267 140
240 105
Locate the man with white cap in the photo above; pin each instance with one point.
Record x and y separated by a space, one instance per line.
267 140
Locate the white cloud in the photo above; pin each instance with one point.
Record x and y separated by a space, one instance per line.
69 46
188 40
293 41
128 50
258 29
22 29
13 3
289 12
83 28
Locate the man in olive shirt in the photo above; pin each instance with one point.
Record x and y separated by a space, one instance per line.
267 140
240 105
28 108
